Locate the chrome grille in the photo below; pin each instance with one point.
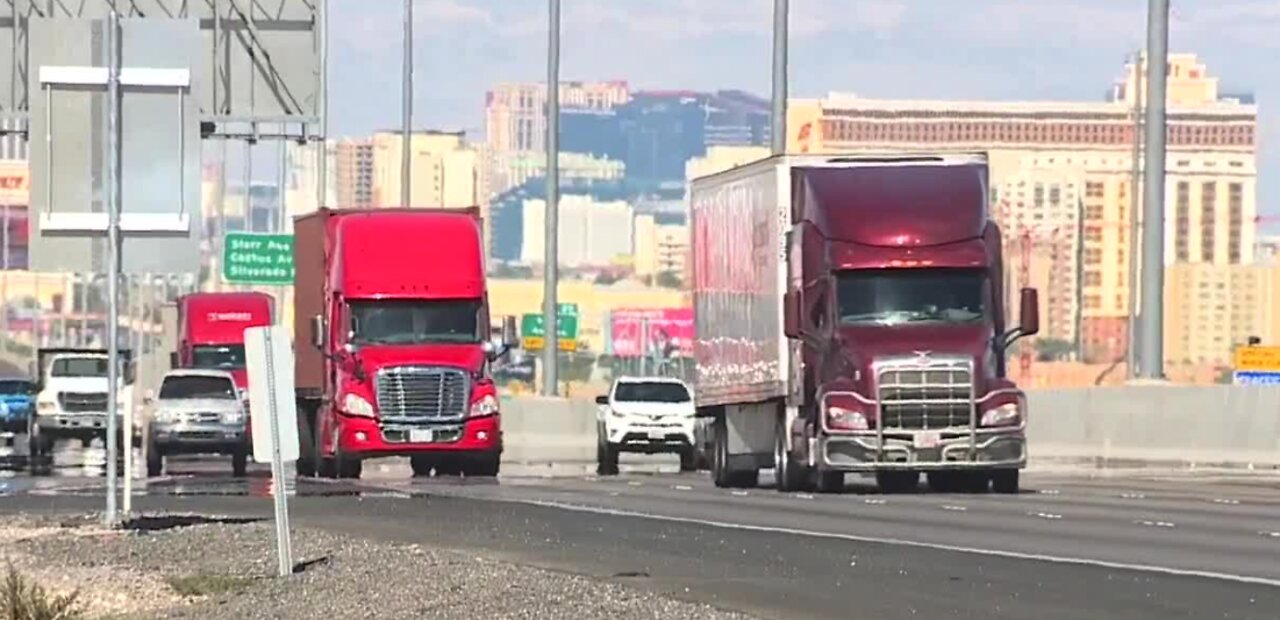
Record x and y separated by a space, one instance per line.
934 394
83 402
408 394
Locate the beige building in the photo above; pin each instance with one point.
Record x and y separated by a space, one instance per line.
443 165
591 233
660 248
352 172
1210 308
1210 192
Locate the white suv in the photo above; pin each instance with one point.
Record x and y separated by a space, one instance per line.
648 415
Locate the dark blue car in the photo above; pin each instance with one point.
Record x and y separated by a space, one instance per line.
18 396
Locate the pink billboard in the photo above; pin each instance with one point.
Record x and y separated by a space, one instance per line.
669 329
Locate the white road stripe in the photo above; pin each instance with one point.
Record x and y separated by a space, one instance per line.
1053 559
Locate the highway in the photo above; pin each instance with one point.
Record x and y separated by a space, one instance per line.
1071 546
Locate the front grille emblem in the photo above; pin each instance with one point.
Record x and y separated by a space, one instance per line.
924 358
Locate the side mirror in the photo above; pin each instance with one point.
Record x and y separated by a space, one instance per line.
1029 312
792 313
602 399
173 359
351 347
510 337
317 331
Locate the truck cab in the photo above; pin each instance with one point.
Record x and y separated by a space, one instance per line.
211 330
396 306
71 399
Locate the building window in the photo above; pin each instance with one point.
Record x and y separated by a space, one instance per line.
1093 189
1208 198
1235 215
1093 278
1182 213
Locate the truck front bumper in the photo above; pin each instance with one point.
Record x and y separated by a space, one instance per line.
862 452
189 438
366 437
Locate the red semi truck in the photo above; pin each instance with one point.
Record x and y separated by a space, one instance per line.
849 319
211 330
392 338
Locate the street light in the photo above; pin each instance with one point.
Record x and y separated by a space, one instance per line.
551 340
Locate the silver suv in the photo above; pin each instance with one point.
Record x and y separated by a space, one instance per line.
198 412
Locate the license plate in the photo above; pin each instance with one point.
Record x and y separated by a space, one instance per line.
421 435
928 439
657 434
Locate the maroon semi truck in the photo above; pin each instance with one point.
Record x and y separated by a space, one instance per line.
850 319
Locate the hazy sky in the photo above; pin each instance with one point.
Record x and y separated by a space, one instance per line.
938 49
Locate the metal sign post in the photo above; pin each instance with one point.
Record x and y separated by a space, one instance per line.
112 79
269 361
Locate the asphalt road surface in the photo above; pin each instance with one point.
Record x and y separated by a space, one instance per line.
1071 546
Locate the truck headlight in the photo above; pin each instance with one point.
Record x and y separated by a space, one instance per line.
356 405
46 406
232 417
840 418
166 416
486 405
1005 415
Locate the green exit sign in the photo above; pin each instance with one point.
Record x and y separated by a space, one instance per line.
257 258
533 331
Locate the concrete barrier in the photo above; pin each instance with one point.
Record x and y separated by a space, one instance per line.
1180 426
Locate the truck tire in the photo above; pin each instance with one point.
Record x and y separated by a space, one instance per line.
945 481
40 453
897 481
688 459
308 447
422 466
606 458
1005 481
789 475
485 466
240 463
721 475
155 460
827 481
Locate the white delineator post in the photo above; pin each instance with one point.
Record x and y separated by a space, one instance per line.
269 361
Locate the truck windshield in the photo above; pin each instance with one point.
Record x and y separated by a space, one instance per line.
415 321
16 387
652 392
79 367
892 296
191 386
219 356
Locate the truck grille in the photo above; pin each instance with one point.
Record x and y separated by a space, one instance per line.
83 402
934 394
408 394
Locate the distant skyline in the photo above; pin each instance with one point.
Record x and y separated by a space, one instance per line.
906 49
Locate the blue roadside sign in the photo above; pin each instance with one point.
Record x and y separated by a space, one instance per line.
1256 377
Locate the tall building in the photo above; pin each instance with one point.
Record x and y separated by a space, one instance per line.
660 247
591 233
1210 190
515 113
1212 308
444 168
353 172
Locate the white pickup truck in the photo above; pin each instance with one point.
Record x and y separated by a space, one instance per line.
71 400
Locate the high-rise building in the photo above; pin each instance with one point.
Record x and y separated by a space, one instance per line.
444 168
1210 190
1211 308
660 247
591 233
353 172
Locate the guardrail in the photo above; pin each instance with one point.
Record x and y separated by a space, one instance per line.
1130 426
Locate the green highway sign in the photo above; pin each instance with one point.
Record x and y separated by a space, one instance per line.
533 333
257 258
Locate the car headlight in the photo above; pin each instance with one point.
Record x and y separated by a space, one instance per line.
487 405
356 405
232 417
1005 415
166 416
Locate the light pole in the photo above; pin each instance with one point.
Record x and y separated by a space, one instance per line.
551 340
406 86
1151 336
778 116
1135 203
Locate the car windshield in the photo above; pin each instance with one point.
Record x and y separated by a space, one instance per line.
192 386
16 387
415 321
651 392
893 296
79 367
219 356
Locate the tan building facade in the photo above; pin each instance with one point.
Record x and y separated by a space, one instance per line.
1211 308
1210 194
353 172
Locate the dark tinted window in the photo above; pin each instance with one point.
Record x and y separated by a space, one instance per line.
415 321
197 387
16 387
891 296
656 392
220 357
80 367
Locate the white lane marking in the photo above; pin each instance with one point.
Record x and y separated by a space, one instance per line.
1045 515
1165 524
739 493
999 553
875 502
683 487
1228 502
804 495
1133 496
634 483
1269 534
1049 492
955 508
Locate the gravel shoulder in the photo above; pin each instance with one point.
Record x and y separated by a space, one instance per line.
179 567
